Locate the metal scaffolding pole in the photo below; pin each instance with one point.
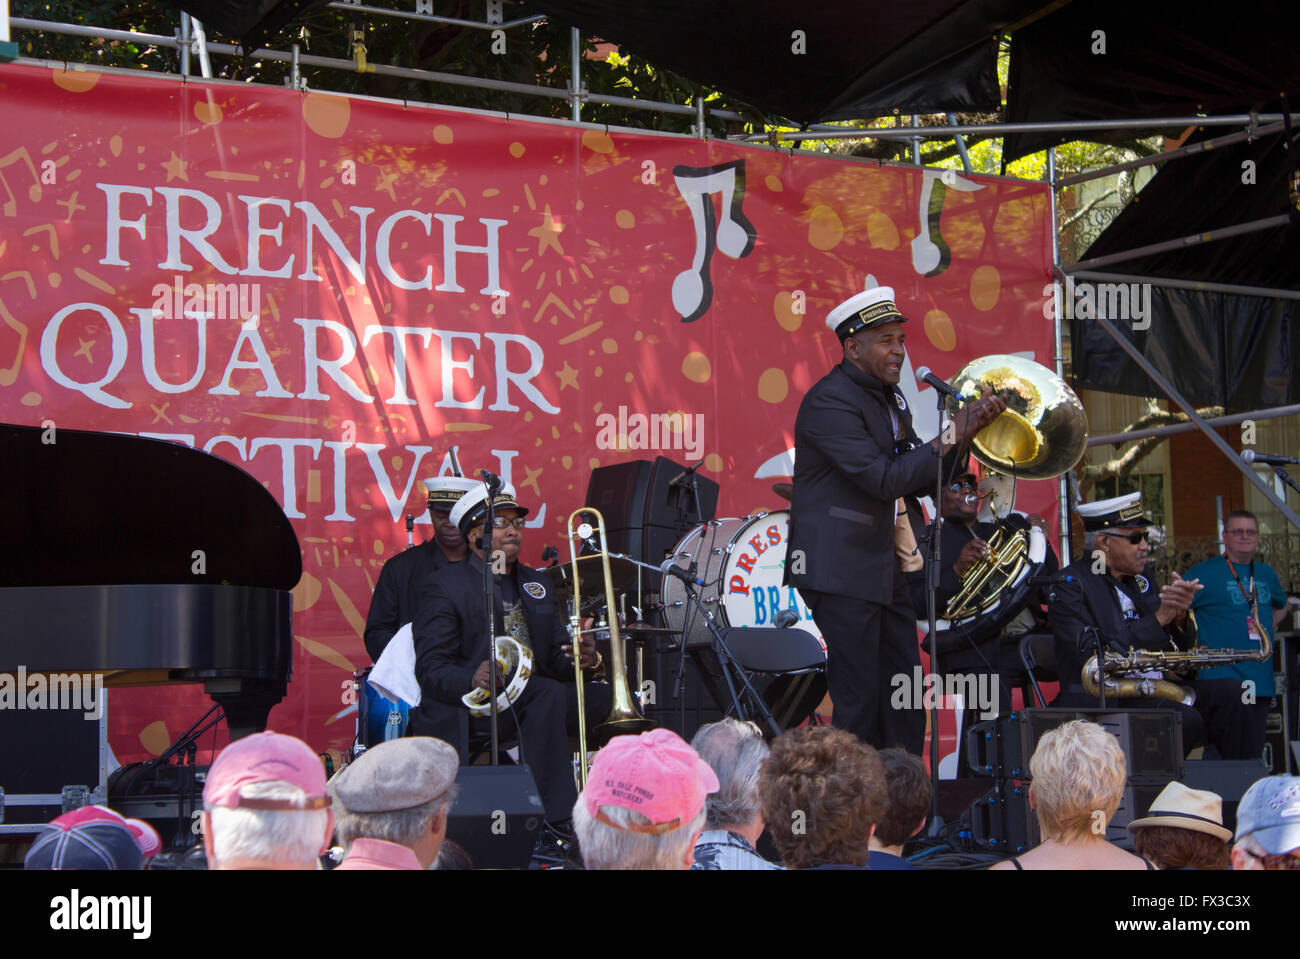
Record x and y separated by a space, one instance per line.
430 18
1001 129
1118 439
575 74
1168 388
1176 284
1195 239
1058 360
961 145
1254 133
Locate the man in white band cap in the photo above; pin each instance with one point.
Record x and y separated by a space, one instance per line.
393 604
856 455
1111 591
451 649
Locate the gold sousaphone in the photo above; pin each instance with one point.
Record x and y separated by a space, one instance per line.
1042 433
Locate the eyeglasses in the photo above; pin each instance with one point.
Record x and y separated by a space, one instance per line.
1133 538
961 485
501 522
1241 532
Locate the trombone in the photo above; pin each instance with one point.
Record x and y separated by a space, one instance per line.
624 716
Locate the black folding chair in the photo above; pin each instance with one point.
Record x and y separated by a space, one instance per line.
1038 654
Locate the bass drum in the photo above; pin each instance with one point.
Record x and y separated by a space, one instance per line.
741 562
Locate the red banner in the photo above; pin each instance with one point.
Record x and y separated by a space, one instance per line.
331 292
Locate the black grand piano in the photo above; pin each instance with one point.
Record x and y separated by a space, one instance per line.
147 562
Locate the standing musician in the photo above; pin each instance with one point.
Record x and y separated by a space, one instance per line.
1240 597
393 604
1127 611
856 455
451 649
964 543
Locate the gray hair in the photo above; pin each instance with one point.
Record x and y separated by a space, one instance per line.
401 826
269 835
736 751
609 847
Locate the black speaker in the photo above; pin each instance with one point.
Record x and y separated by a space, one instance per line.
497 817
1152 741
674 506
619 492
1002 821
44 750
640 493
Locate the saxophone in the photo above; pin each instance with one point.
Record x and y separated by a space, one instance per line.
1122 673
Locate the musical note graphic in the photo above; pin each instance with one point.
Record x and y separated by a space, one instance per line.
930 254
735 236
10 206
9 373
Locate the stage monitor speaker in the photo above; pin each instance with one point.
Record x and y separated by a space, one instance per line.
1152 740
619 492
497 817
1002 821
673 506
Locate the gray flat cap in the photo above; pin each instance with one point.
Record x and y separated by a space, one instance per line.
397 774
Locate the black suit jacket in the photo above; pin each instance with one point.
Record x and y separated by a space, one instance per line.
847 477
451 630
397 593
1090 600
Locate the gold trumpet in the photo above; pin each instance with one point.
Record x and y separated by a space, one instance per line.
624 716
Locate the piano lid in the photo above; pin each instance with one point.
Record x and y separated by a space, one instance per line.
108 509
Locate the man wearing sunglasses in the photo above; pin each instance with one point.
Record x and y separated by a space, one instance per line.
1241 596
451 649
1111 593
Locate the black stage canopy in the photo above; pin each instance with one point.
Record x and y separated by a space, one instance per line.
1225 348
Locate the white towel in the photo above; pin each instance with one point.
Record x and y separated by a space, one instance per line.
394 673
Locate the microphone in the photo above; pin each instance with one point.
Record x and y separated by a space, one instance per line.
493 481
1250 456
923 375
1052 580
785 619
669 568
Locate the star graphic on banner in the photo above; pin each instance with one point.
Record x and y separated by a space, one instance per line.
568 376
530 479
175 168
385 185
548 233
160 412
73 206
85 350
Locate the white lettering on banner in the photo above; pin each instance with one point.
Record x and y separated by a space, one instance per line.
400 395
288 462
149 355
248 333
182 204
340 513
117 356
334 368
449 367
395 503
505 377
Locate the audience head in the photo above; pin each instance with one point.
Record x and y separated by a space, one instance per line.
93 837
823 792
1184 829
399 791
735 751
265 805
1078 774
644 805
908 783
1268 825
452 855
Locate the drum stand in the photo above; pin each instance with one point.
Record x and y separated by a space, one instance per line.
729 664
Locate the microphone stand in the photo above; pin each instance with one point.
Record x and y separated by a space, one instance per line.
1285 478
686 619
485 544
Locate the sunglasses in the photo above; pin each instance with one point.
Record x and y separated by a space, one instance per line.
1133 538
1287 861
961 485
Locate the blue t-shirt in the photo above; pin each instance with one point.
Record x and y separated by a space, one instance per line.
1221 612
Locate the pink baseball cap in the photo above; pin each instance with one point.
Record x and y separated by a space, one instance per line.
146 837
261 758
656 774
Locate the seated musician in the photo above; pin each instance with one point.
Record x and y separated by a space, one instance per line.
451 650
986 646
1127 608
393 604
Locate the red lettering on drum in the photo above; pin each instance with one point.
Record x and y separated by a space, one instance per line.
758 547
773 534
737 585
746 562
